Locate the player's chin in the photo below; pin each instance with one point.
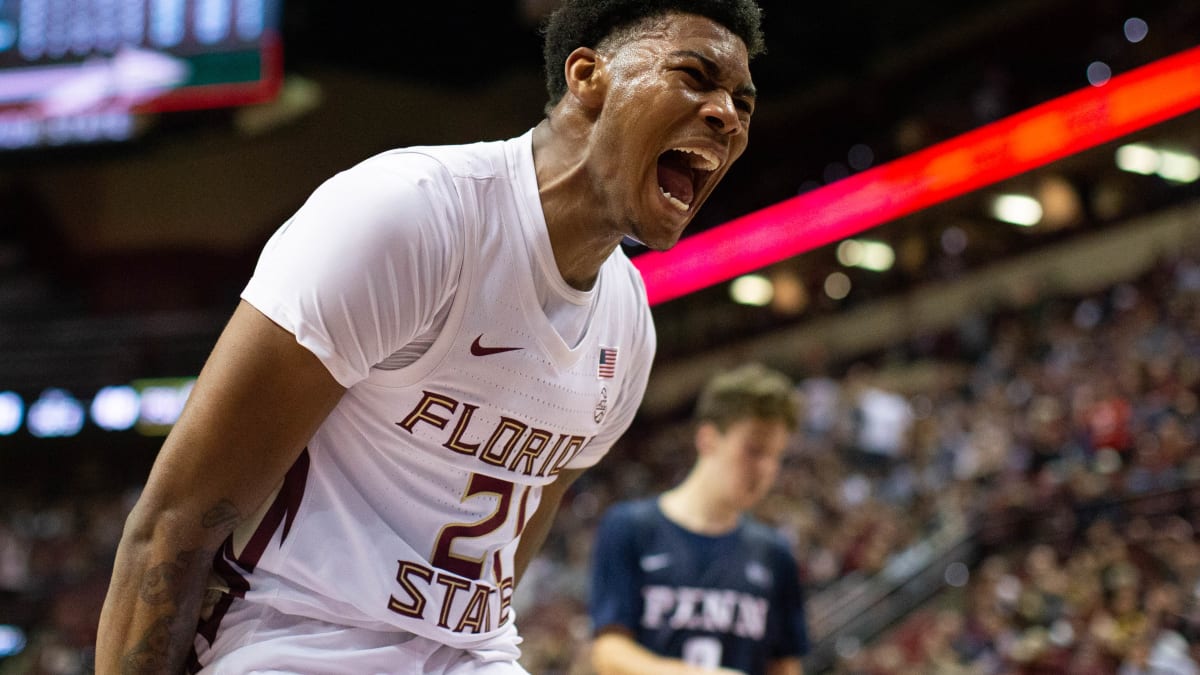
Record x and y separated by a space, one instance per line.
661 236
755 493
661 226
661 244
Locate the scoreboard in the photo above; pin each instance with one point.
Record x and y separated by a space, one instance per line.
79 71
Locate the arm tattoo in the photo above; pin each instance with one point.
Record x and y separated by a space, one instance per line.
164 582
150 654
224 515
171 585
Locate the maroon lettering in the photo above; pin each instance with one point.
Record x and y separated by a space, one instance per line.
510 427
443 554
550 457
511 443
505 589
453 586
574 447
478 614
415 607
474 611
534 445
455 443
422 413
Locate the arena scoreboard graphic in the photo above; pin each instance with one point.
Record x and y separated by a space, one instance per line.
84 71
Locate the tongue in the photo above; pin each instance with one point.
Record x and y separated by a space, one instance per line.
675 179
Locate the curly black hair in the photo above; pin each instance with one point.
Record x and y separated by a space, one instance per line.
586 23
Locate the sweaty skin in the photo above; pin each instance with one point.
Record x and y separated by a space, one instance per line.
685 83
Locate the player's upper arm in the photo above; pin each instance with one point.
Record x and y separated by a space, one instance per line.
257 402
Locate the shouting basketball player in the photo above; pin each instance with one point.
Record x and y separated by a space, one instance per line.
428 353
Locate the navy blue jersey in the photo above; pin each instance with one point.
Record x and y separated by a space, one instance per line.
733 601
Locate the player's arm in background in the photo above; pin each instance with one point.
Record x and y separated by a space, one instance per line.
788 666
615 652
258 400
542 520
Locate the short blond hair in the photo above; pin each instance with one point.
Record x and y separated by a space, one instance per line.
750 391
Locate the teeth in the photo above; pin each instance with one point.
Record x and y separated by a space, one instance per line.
674 202
699 158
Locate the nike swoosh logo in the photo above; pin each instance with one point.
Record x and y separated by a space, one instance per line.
758 575
479 350
655 562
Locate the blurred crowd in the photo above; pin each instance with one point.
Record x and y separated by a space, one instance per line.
1073 436
58 536
1121 599
1012 430
1023 421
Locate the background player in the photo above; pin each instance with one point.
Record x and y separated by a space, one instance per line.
428 353
687 582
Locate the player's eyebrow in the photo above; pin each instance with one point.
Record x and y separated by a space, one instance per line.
714 72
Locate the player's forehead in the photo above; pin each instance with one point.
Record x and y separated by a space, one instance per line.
758 428
676 33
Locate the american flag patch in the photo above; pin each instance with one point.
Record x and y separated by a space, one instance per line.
608 363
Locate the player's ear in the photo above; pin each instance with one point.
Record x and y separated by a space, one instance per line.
587 77
705 438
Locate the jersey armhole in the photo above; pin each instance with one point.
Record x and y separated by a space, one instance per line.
465 274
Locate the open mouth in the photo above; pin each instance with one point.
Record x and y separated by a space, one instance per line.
682 173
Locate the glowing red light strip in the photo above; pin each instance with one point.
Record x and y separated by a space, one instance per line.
1047 132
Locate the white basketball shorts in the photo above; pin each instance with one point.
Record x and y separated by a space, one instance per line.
255 640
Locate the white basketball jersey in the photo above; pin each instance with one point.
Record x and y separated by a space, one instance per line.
404 512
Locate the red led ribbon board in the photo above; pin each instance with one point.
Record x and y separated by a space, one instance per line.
1030 139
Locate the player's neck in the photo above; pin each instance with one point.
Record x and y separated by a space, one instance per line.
581 240
691 506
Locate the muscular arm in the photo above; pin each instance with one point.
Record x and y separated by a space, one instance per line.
258 400
539 525
614 652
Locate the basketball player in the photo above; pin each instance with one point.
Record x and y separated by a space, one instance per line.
427 355
688 583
